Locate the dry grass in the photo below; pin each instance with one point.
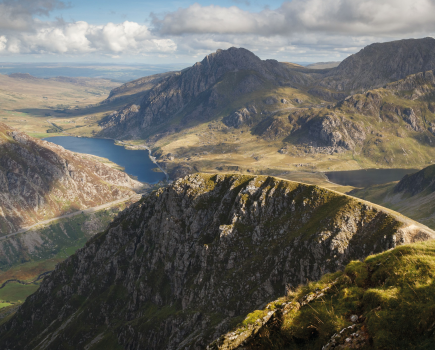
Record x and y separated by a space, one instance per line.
29 104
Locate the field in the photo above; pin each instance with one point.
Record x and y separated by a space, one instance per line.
33 105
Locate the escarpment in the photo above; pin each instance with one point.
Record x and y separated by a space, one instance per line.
187 262
40 180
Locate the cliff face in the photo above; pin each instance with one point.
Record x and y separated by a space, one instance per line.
195 91
382 63
40 180
180 267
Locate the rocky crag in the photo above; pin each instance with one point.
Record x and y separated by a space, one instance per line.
40 180
381 63
187 262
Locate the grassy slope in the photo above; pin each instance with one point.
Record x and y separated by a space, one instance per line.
393 293
418 207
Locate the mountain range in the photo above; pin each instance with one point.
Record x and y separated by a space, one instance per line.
375 109
235 261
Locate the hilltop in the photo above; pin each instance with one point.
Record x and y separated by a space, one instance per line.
188 262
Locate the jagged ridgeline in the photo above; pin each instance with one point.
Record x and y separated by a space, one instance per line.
188 262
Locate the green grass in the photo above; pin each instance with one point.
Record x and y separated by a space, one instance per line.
14 291
393 293
4 304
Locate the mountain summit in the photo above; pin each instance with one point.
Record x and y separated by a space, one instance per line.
196 93
382 63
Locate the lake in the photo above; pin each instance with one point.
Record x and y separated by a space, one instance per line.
367 177
136 163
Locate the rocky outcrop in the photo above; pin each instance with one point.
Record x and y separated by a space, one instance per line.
40 180
335 132
240 117
414 86
177 268
381 63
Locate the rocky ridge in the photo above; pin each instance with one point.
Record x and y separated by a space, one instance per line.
180 267
200 92
40 180
381 63
421 181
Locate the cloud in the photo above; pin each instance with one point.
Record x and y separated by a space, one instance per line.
81 38
18 14
364 17
300 30
22 33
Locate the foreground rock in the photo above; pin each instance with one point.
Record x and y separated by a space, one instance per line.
40 180
180 267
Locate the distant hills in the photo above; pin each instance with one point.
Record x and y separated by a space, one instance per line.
323 65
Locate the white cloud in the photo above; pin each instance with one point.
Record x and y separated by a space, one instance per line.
364 17
300 30
22 33
81 37
3 42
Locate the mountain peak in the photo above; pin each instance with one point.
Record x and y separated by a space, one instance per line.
381 63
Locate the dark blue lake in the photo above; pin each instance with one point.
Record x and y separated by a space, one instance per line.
136 163
367 177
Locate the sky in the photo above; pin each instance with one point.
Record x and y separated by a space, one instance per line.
153 32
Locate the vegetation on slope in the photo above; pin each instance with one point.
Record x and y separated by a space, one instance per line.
388 299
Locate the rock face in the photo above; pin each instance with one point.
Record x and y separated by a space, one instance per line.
240 117
40 180
382 63
194 91
335 132
175 270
